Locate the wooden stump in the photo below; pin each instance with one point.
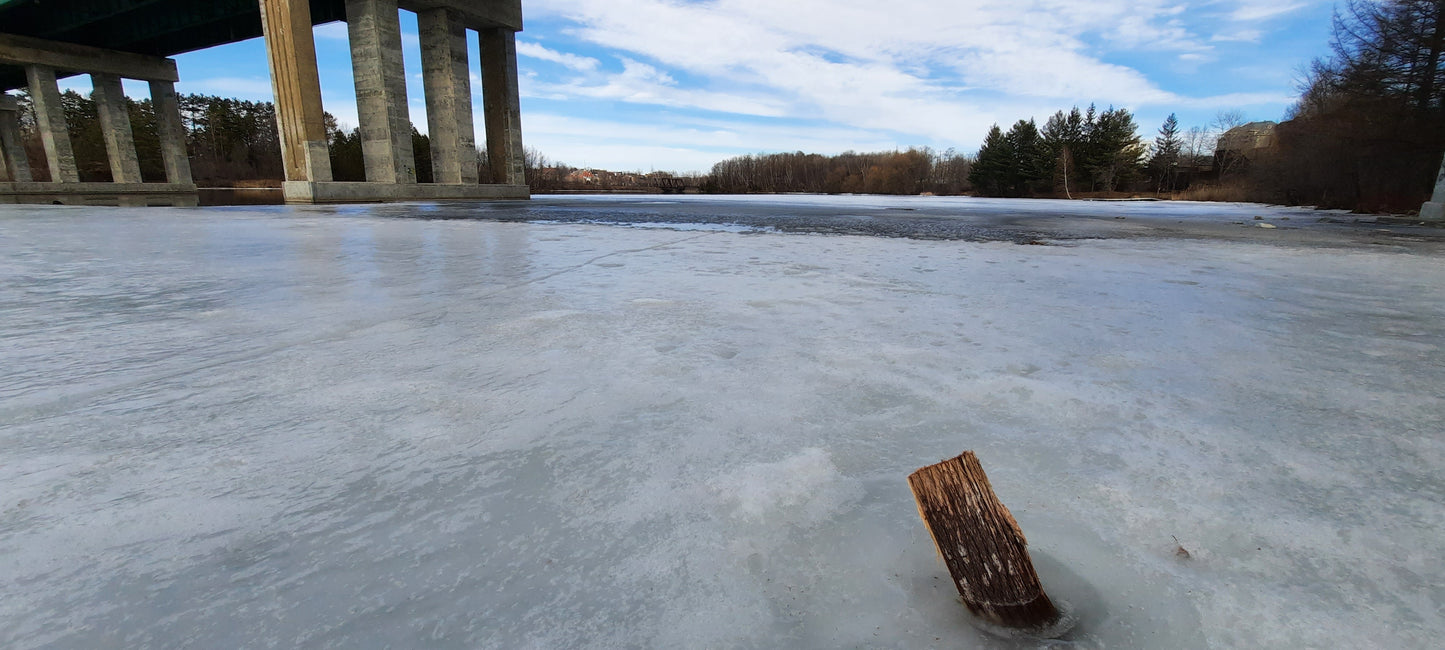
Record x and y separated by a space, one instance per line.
982 546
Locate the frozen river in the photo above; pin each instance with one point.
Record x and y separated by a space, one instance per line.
525 426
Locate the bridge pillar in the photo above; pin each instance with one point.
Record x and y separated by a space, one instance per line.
1434 209
447 82
109 97
502 103
291 52
374 32
381 103
50 121
172 133
41 59
14 165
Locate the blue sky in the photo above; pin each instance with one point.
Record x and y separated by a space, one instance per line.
675 85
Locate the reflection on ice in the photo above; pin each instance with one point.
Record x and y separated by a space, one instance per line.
241 428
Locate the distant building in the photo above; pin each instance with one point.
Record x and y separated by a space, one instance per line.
1239 146
581 176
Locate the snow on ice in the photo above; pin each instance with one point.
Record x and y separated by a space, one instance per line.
337 427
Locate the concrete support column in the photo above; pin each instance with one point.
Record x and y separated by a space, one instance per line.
1434 209
381 104
14 166
502 103
109 97
172 133
447 82
50 121
291 52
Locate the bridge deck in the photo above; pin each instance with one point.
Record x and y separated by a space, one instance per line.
170 27
156 27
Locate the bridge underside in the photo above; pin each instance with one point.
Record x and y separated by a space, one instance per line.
156 28
111 39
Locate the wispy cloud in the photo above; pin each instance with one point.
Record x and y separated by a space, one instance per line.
1257 10
641 83
1238 36
536 51
940 71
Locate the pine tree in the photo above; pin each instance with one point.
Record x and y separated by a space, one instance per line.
1030 165
1164 163
991 170
1064 136
1114 149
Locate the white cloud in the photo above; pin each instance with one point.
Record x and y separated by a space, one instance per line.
644 84
854 62
1238 36
1234 100
1258 10
908 70
536 51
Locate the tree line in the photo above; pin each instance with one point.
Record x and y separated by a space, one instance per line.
228 141
1085 151
914 171
1088 151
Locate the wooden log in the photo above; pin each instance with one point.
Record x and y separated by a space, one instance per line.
983 547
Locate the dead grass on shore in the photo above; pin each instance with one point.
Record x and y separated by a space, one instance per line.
1231 193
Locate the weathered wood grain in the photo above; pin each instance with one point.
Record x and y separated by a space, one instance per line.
982 545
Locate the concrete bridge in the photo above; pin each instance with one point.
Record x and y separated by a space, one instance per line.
1434 209
114 39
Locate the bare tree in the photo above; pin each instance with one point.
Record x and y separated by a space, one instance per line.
1198 146
1227 119
1370 124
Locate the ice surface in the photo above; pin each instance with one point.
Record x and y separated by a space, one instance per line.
338 428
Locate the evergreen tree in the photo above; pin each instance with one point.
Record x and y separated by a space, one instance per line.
87 144
346 159
1030 164
1164 163
421 152
145 130
1063 134
1114 149
992 168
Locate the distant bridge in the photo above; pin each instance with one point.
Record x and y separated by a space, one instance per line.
675 184
43 41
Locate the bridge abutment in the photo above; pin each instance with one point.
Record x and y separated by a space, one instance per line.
1434 209
41 59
